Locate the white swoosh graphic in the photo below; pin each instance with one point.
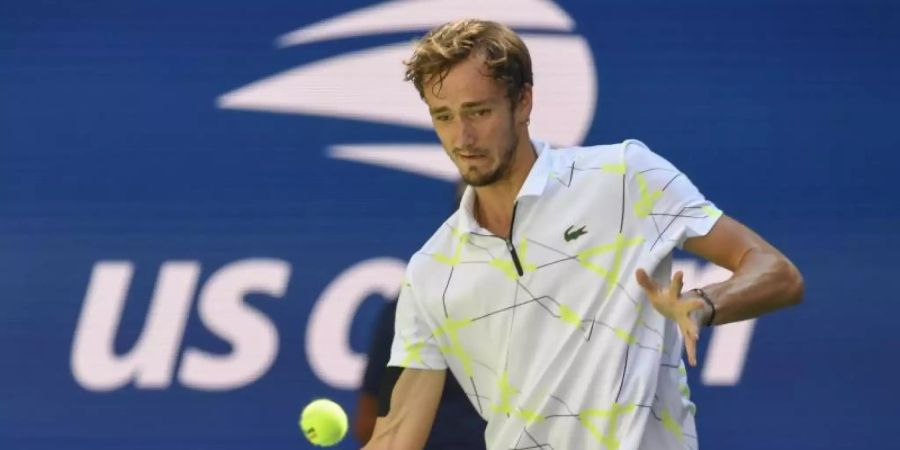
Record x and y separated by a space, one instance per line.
412 15
368 85
423 159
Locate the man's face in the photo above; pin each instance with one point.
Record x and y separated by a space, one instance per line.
475 122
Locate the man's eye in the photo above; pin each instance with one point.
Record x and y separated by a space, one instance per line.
442 117
482 112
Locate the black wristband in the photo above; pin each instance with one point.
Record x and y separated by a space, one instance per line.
712 315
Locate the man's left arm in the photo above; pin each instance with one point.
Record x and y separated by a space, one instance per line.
764 279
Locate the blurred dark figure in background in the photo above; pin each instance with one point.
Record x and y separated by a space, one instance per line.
457 424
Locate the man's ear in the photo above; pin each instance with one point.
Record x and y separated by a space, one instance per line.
523 106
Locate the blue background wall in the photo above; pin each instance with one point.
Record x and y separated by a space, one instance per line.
112 148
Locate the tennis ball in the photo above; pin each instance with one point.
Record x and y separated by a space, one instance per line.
323 422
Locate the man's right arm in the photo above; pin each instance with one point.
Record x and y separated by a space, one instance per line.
408 402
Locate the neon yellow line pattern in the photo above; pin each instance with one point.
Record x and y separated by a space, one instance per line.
457 251
623 335
529 416
712 211
618 168
644 206
671 425
612 275
414 352
506 393
450 327
608 439
569 316
506 264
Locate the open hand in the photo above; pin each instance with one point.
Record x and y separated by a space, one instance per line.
668 302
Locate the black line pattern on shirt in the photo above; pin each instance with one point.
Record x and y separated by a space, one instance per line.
547 303
444 294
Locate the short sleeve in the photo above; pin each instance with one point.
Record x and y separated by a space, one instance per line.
667 206
415 345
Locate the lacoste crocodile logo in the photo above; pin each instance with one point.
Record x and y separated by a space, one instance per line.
571 235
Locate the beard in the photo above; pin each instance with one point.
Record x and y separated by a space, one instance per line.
507 157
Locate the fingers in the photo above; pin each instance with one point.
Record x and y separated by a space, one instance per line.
646 282
690 333
650 286
690 345
677 284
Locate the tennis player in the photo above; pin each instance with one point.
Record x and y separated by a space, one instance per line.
549 293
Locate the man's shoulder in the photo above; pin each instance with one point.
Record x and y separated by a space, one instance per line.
630 152
444 238
599 153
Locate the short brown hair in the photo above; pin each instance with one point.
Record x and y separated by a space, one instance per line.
506 57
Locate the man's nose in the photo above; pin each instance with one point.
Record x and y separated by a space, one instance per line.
465 134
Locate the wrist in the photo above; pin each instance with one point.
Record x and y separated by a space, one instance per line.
708 316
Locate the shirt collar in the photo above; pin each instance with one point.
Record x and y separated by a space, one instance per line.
540 172
534 185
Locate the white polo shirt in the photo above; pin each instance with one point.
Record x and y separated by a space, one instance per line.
561 347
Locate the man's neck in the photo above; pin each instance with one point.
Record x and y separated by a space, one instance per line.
494 203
